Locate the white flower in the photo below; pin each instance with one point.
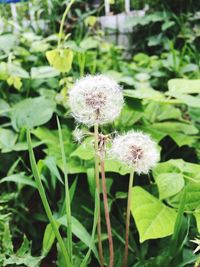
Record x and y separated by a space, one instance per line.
135 149
95 99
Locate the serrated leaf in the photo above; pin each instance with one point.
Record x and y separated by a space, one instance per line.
153 219
19 178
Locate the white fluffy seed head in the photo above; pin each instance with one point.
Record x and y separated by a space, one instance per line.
95 99
135 149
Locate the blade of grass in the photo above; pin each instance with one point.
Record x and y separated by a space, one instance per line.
67 193
45 201
85 260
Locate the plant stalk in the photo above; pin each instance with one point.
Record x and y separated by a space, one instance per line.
100 248
128 212
107 216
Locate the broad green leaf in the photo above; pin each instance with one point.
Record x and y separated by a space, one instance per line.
169 184
18 71
4 108
192 197
144 94
32 112
7 42
184 86
189 100
43 72
7 139
153 219
19 178
183 140
170 127
85 150
89 43
116 166
60 59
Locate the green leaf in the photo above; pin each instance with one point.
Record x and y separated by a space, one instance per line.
153 219
7 139
85 151
169 184
7 42
80 232
144 94
116 166
184 86
48 239
170 127
60 59
7 240
23 256
19 178
51 164
197 217
32 112
43 72
183 140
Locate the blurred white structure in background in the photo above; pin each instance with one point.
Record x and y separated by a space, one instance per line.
115 25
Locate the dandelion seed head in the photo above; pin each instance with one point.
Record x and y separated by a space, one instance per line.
135 149
95 99
78 135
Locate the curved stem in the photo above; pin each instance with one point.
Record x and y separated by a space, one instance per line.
100 248
107 216
63 21
128 212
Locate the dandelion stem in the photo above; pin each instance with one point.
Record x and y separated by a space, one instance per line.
107 216
128 219
100 248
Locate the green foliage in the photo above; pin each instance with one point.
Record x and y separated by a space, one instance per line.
159 74
151 215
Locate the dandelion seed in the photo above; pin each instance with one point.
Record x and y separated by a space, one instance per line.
135 149
95 100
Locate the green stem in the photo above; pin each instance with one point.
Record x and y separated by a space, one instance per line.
128 212
96 145
63 20
107 216
45 202
67 194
